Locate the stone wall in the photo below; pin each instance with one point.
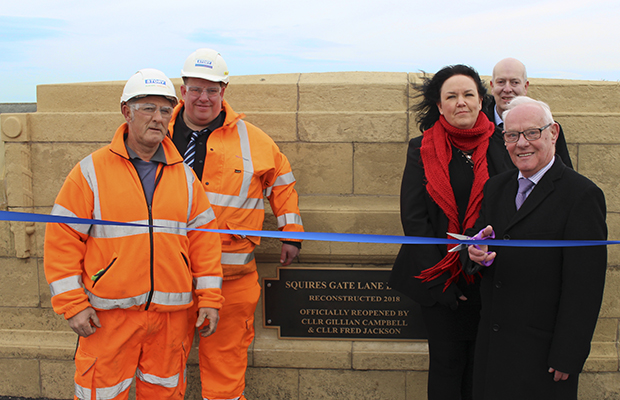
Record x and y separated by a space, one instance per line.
346 136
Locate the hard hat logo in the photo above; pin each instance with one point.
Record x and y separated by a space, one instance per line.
204 63
155 82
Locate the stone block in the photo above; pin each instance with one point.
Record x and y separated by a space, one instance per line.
344 214
613 227
19 175
562 95
611 298
20 377
19 286
57 379
75 127
51 163
319 168
280 126
276 353
353 385
591 158
390 355
32 344
606 330
271 384
589 128
254 93
416 385
43 319
353 126
353 92
603 358
599 386
6 240
81 97
378 168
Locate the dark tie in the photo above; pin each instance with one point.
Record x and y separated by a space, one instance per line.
190 153
501 125
524 185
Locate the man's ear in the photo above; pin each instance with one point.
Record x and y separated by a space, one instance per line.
126 110
555 132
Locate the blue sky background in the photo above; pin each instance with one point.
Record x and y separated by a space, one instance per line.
44 42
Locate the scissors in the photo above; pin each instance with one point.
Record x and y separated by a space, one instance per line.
462 246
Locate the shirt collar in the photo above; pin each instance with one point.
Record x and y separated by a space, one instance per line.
159 156
181 126
538 176
498 118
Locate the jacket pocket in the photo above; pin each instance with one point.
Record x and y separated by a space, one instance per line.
85 366
95 278
185 260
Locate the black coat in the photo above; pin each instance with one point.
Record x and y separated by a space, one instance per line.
421 216
539 305
560 146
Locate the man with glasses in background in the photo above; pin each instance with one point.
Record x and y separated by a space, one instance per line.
238 164
125 290
540 305
509 80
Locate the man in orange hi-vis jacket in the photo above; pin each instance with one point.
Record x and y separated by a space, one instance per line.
126 290
238 164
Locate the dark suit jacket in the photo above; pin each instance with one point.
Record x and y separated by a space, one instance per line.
560 146
539 305
421 216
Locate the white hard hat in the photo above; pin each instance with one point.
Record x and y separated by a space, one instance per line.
205 64
149 82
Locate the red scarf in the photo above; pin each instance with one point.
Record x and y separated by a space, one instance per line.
436 153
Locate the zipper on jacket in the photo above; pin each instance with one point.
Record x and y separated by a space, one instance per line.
151 233
152 237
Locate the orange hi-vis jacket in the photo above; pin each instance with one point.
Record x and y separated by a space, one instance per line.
136 268
242 165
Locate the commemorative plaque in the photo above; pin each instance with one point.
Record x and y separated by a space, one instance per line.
347 303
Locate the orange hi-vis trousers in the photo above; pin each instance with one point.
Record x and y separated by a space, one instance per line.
150 345
224 355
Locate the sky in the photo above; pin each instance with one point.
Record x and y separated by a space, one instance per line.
50 42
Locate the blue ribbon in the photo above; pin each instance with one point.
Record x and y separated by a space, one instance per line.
317 236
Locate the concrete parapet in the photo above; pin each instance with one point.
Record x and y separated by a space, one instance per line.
346 136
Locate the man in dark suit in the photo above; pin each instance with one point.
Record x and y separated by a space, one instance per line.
509 80
539 305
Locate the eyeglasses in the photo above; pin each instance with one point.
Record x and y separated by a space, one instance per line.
530 135
197 91
151 109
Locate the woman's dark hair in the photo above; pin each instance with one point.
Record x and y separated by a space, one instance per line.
427 112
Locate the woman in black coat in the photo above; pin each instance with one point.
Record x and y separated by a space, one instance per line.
441 192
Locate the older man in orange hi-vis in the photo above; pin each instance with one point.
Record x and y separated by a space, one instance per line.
238 165
126 290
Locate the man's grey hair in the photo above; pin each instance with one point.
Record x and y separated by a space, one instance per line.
519 100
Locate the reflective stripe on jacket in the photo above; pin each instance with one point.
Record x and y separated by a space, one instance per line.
143 268
242 165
